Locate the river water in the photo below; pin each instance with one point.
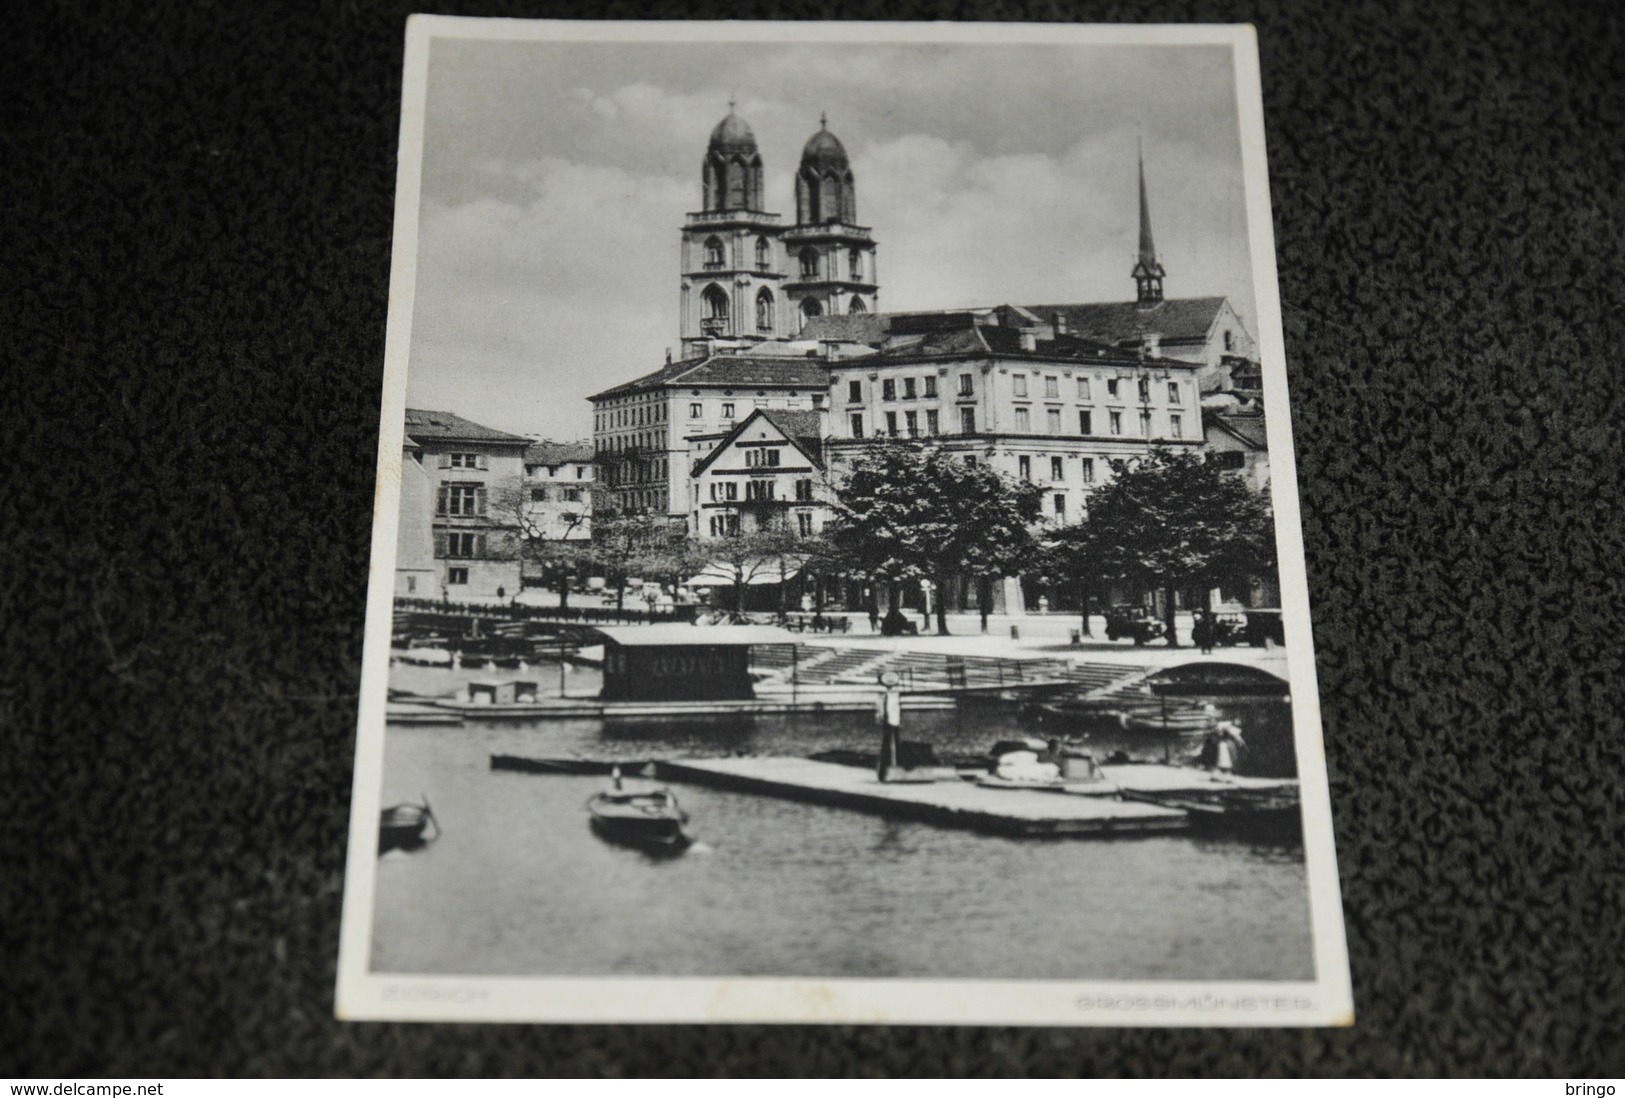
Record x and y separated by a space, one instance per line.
519 885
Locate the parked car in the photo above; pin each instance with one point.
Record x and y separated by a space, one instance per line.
1134 622
1263 626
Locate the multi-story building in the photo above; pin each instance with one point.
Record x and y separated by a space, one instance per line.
767 473
476 476
559 485
417 573
641 430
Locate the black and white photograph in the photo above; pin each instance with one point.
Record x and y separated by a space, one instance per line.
837 552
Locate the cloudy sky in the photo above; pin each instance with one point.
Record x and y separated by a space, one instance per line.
556 177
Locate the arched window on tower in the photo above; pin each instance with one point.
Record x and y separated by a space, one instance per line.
857 305
737 191
713 254
809 309
763 257
857 265
829 193
849 201
809 263
714 320
764 312
754 190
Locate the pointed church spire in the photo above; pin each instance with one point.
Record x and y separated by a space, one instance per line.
1147 271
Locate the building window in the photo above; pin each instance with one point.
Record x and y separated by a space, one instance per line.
1176 426
1024 467
1111 387
730 489
1060 505
809 309
888 389
411 584
857 306
908 388
856 267
464 461
764 311
762 456
1057 469
1145 390
931 385
457 577
464 546
714 302
713 254
809 263
1052 418
759 490
1117 422
1145 424
1018 384
1085 422
696 410
538 495
911 421
891 424
581 472
804 490
932 424
1173 392
965 385
572 495
1023 420
967 421
462 499
1083 388
804 523
1229 340
1088 470
857 424
854 392
970 461
1052 387
761 253
728 410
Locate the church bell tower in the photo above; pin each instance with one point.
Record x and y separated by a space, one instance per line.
829 256
732 261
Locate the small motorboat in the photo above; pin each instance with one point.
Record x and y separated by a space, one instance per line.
647 818
1182 721
402 826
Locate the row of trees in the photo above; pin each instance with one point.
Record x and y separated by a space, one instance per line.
1169 522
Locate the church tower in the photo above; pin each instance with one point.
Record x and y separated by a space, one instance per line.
1147 271
732 260
829 256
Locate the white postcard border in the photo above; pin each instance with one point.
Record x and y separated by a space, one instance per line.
363 995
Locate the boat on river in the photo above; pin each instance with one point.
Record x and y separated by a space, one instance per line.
402 826
648 818
1168 721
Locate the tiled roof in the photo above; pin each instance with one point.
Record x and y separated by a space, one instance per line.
1251 428
557 453
431 426
1125 321
747 370
848 328
801 428
665 373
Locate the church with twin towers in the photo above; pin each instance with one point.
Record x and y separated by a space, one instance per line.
748 274
789 371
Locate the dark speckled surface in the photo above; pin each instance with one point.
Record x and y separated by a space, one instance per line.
196 234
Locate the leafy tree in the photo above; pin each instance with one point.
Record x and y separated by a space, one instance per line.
1171 521
909 511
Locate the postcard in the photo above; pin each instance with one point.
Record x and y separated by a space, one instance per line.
837 552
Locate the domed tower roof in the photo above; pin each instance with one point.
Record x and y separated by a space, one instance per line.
824 149
733 133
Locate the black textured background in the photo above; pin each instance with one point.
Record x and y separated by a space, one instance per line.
194 251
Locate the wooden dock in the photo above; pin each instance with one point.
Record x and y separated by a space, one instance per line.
844 701
949 801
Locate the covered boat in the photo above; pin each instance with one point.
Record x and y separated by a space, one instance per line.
648 818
